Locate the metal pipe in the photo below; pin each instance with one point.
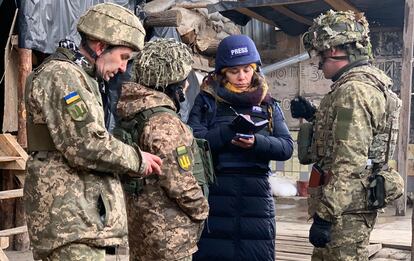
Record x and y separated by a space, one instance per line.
291 60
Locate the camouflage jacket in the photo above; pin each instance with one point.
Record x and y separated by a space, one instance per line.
167 216
347 119
70 194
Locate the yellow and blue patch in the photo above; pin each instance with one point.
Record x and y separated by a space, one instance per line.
71 97
76 106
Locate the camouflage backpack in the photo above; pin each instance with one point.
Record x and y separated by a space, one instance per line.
130 131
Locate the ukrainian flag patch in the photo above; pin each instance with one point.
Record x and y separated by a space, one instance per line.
71 97
76 106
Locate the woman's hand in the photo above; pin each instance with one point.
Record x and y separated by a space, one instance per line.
243 143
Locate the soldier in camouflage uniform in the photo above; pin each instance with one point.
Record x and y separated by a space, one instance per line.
350 125
166 219
73 196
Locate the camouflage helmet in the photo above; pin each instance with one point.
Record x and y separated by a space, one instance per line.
336 28
113 24
163 62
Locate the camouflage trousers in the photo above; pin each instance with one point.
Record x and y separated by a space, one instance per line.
133 241
350 236
77 252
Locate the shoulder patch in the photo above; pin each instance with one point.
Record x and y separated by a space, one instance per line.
71 97
183 158
344 120
76 106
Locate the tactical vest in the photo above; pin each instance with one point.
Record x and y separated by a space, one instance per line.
38 135
383 184
384 142
130 132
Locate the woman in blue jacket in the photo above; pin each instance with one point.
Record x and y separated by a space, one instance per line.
241 224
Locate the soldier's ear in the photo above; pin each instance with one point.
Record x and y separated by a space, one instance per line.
100 47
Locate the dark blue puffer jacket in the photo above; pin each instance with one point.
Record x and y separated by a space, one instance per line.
241 224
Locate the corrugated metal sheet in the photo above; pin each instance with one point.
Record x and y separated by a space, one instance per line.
264 35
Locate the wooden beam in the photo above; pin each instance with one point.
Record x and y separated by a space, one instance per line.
342 5
235 7
7 207
4 242
304 250
254 15
14 193
242 4
13 231
293 15
3 256
406 87
10 148
25 68
10 116
169 18
373 249
191 5
9 158
287 2
291 256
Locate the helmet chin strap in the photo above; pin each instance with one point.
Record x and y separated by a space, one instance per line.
89 50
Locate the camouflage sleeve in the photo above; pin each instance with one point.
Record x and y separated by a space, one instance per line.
177 183
71 106
358 110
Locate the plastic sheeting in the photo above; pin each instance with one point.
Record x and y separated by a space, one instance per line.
43 23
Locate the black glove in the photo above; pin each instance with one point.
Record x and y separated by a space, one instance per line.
320 232
302 108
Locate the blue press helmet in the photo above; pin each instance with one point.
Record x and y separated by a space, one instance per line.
236 50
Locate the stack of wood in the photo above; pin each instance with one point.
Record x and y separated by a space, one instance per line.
200 30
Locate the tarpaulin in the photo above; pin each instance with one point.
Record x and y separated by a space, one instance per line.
43 23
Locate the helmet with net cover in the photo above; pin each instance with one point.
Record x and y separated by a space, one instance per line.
163 62
339 28
113 24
